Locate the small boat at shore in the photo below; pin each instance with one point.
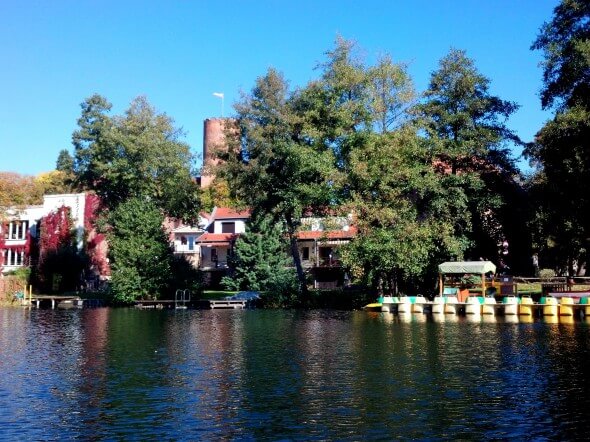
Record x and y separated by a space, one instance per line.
451 305
373 307
473 305
405 305
566 306
438 304
510 305
550 306
526 305
489 305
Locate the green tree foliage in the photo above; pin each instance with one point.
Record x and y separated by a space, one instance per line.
350 101
561 149
465 118
259 262
466 127
65 162
139 251
135 154
565 42
53 183
415 180
402 217
391 93
272 165
217 194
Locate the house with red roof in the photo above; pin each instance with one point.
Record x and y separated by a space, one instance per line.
319 241
210 245
217 241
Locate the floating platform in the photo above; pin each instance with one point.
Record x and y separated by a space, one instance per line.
155 303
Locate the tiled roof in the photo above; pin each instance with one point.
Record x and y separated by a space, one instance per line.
229 213
216 237
331 234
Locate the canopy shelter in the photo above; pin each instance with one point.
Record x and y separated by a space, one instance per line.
465 268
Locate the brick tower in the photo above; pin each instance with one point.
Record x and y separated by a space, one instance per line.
213 139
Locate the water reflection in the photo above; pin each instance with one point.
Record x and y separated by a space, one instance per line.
130 374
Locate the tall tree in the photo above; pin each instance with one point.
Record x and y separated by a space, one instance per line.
469 122
271 165
349 102
391 93
140 254
466 126
404 222
259 261
65 162
136 154
561 148
565 42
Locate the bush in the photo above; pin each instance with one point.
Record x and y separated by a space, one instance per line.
185 276
546 274
340 299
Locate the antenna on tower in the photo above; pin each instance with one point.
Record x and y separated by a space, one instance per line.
219 95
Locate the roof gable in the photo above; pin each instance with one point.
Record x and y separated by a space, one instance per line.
229 213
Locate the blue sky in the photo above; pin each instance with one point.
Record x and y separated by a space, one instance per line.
56 53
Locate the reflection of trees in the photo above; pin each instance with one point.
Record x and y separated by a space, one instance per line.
129 374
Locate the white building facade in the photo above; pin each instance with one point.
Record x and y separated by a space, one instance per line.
23 224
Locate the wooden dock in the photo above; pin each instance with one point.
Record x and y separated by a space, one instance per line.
56 300
222 303
61 301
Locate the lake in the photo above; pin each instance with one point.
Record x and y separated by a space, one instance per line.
129 374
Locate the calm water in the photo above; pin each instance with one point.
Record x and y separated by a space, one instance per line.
126 374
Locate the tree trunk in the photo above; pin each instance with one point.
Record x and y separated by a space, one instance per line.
296 256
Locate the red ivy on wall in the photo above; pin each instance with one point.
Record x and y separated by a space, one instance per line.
96 248
2 244
56 231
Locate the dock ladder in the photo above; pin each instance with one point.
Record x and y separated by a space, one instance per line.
182 298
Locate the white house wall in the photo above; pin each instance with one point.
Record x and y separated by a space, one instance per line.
240 225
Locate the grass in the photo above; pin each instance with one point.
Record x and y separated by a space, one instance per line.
217 294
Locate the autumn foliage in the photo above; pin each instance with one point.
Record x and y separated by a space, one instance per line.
96 246
2 243
60 265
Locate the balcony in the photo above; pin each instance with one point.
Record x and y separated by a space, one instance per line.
208 264
185 248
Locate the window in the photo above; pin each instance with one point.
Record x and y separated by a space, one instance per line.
24 229
191 243
15 225
14 257
183 240
305 256
228 227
